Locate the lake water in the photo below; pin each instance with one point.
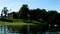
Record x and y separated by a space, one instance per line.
20 30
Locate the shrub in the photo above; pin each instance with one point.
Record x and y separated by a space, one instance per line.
6 20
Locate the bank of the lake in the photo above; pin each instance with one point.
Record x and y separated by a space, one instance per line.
7 23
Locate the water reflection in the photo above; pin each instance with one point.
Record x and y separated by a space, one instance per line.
24 29
18 29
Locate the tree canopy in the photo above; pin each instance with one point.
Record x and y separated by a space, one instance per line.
4 11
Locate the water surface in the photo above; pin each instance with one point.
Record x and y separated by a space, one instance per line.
22 30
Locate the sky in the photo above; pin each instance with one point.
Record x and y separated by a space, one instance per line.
15 5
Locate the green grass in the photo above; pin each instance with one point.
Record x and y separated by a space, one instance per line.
20 21
2 23
14 23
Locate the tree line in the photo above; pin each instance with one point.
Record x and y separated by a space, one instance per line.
40 15
50 16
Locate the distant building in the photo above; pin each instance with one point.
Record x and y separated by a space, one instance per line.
11 15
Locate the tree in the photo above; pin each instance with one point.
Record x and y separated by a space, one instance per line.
37 14
43 14
1 15
5 11
34 14
58 19
23 12
52 17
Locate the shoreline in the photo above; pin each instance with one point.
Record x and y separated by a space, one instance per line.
15 24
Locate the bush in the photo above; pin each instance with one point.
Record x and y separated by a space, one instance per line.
6 20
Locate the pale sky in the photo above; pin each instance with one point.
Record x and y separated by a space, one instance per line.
33 4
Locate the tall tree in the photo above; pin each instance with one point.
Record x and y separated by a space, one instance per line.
23 12
5 11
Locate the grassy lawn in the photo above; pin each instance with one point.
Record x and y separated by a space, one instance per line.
20 22
15 23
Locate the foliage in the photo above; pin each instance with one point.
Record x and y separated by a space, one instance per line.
6 20
5 11
35 16
40 16
23 12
